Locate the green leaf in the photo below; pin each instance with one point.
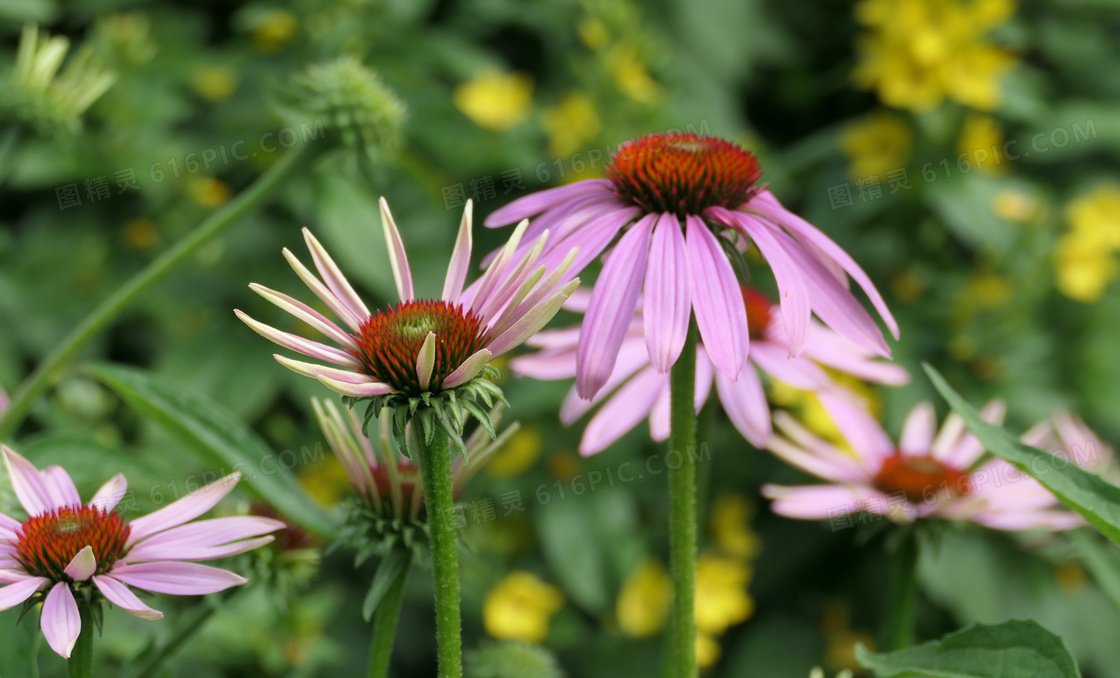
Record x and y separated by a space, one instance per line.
392 566
1013 649
1102 561
566 529
218 438
1084 492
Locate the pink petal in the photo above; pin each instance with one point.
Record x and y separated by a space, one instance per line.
745 403
119 595
590 238
660 417
775 361
333 277
460 258
717 300
30 487
398 259
531 323
426 360
195 553
835 468
16 593
550 365
336 305
83 565
177 579
538 202
307 314
837 351
631 358
183 510
668 293
297 343
60 621
201 535
110 493
8 527
361 390
612 306
629 406
917 432
61 488
469 369
819 502
314 371
858 427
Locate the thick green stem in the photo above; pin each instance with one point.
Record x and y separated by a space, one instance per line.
80 664
296 160
435 472
682 511
385 626
902 600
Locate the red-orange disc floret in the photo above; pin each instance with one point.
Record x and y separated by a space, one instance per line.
759 309
48 542
390 340
921 479
682 173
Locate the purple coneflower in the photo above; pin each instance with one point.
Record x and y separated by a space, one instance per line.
70 548
942 474
636 390
678 201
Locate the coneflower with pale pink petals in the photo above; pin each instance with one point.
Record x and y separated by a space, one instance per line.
67 550
680 202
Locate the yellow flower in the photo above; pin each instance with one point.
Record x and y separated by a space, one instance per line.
628 71
644 601
981 141
209 192
274 30
707 650
495 100
214 83
520 607
518 455
972 76
570 124
879 143
730 527
722 599
1084 269
1014 205
1095 216
326 483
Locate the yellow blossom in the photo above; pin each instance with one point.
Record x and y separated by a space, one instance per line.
570 124
495 100
214 83
628 71
981 141
730 527
274 30
1084 269
1095 216
1014 205
707 650
326 483
876 145
520 607
722 599
209 192
518 455
644 601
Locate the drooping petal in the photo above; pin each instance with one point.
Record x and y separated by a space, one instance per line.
83 565
177 579
745 403
837 351
800 372
16 593
359 390
469 369
460 258
191 552
538 202
110 494
398 259
119 595
668 293
612 306
60 621
631 358
183 510
629 406
298 344
426 360
315 371
28 484
336 305
917 432
333 277
306 314
717 300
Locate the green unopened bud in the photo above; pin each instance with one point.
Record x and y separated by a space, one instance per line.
352 103
35 93
511 660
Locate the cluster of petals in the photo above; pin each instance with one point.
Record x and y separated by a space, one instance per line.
161 552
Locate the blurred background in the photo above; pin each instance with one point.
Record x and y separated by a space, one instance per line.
963 151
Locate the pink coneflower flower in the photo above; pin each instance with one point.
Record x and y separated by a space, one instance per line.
636 390
923 476
1068 438
70 548
419 346
677 201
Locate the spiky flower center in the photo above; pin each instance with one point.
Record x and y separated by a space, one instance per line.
682 173
921 478
390 341
759 311
48 542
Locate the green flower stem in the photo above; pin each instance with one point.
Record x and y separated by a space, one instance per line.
294 161
385 626
435 472
80 664
902 596
682 512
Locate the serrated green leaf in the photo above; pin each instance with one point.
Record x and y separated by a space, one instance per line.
217 437
1014 649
